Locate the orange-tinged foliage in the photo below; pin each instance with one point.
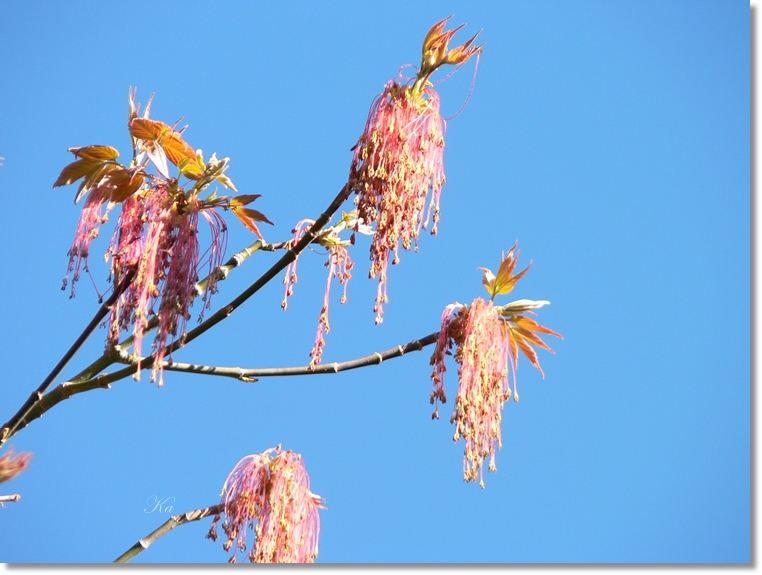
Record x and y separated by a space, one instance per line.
248 218
244 199
176 148
505 280
172 142
97 168
436 52
95 152
124 183
523 336
146 129
76 170
11 465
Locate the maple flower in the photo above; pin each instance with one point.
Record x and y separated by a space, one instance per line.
158 237
487 340
11 465
270 493
398 159
90 220
339 266
180 280
125 251
136 305
290 279
106 181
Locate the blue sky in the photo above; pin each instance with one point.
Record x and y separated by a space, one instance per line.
610 138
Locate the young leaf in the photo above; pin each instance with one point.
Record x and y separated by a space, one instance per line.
505 280
158 157
248 218
253 214
93 179
74 171
145 129
227 182
488 279
243 199
96 153
176 148
190 168
124 183
520 306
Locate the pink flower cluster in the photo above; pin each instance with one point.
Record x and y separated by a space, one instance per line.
398 159
270 493
483 352
290 279
90 220
487 339
157 237
339 266
11 465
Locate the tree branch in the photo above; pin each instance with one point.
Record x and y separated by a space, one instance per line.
7 498
109 357
68 389
11 426
39 404
166 527
250 374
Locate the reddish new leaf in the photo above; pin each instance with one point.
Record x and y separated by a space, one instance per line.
76 170
254 215
248 218
176 148
93 179
146 129
173 144
530 324
96 153
123 183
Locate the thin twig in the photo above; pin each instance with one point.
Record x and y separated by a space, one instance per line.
166 527
251 374
7 498
10 427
